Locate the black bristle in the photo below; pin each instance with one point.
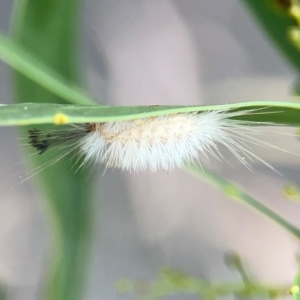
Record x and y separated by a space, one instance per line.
37 142
42 140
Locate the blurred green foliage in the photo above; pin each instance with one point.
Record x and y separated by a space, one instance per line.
48 30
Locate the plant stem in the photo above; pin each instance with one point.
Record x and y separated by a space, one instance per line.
234 192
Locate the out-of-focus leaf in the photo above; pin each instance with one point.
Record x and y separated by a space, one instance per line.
287 113
276 24
48 30
295 289
31 67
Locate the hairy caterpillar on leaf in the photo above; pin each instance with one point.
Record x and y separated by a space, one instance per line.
153 143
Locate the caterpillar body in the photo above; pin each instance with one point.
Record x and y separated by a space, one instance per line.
161 142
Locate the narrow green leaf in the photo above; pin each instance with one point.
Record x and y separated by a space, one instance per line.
234 192
287 113
33 68
48 30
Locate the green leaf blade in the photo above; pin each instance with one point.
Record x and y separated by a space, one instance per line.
36 71
285 113
48 31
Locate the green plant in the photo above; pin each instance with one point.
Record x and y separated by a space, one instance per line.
49 76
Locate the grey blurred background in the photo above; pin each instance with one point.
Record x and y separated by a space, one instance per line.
162 52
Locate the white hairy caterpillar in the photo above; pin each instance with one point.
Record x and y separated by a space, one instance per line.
161 142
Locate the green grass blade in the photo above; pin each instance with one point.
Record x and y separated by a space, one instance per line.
287 113
48 30
234 192
34 69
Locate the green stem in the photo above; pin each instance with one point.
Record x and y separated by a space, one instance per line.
170 285
234 192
